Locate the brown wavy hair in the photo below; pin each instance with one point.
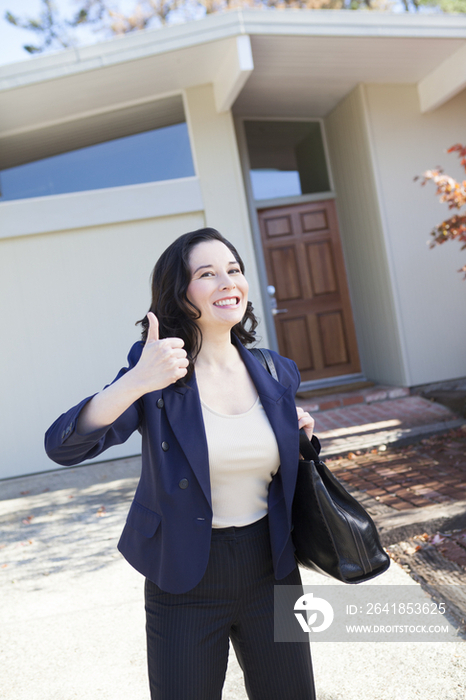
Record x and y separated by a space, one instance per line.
177 316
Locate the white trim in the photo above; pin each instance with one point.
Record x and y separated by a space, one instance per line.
26 217
233 73
444 82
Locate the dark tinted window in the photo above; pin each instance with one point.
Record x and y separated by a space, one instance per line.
286 158
160 154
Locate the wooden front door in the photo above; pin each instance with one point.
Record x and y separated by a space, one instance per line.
304 262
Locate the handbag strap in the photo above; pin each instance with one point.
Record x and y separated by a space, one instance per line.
265 358
306 447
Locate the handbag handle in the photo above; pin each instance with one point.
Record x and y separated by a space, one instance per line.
306 447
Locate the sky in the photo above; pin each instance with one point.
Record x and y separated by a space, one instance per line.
13 38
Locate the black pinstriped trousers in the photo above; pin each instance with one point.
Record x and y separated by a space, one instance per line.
188 634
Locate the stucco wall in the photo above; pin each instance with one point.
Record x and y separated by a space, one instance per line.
363 242
68 303
430 295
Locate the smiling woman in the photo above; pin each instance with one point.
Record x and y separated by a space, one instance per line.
219 462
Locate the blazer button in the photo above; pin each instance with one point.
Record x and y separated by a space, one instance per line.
66 432
183 484
165 446
160 403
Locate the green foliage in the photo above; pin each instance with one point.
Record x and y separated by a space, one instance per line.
47 26
448 6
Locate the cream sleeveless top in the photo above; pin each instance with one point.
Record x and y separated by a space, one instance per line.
243 457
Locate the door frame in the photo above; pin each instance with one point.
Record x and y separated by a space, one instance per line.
255 205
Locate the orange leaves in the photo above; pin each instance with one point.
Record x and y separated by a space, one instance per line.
452 193
461 152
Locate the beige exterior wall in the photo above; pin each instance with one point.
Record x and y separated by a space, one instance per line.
363 242
68 303
430 295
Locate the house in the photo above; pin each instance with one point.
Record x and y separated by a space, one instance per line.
295 133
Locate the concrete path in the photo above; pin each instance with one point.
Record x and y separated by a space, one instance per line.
72 618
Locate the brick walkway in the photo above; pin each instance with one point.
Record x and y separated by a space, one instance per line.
408 478
433 471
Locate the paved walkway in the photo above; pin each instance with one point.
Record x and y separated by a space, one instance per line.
382 415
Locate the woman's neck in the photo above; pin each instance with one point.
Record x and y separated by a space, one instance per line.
217 352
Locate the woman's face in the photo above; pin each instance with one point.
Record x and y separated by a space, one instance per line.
218 287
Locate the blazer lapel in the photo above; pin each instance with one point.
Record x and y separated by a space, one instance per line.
184 413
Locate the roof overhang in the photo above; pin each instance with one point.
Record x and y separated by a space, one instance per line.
261 63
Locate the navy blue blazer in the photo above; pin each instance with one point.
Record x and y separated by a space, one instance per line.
168 529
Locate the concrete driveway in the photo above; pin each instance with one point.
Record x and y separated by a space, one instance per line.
72 616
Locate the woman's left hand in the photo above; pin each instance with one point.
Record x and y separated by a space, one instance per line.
305 421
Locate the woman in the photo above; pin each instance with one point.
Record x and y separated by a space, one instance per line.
210 524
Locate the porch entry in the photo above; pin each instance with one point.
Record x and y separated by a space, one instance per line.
304 262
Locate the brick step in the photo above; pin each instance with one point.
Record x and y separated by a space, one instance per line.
328 402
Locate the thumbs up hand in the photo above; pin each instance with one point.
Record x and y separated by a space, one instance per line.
162 362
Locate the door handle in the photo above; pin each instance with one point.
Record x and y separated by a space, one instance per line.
273 302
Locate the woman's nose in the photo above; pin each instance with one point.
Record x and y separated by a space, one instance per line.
227 282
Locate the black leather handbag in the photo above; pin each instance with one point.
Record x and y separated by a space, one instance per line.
332 532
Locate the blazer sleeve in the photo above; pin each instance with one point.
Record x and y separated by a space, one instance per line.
66 446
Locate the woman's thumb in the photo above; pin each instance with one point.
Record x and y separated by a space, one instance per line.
153 330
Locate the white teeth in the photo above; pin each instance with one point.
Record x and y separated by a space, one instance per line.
226 302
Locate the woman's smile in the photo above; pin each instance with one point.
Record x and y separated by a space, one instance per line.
230 301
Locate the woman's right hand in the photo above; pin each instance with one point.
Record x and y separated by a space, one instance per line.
162 362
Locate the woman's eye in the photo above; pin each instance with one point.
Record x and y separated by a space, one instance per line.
204 274
235 269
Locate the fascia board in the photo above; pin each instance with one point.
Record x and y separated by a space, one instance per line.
229 24
235 69
358 24
444 82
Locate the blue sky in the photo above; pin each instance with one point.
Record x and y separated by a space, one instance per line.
12 38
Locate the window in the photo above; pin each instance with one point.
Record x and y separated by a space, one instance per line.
158 154
286 158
